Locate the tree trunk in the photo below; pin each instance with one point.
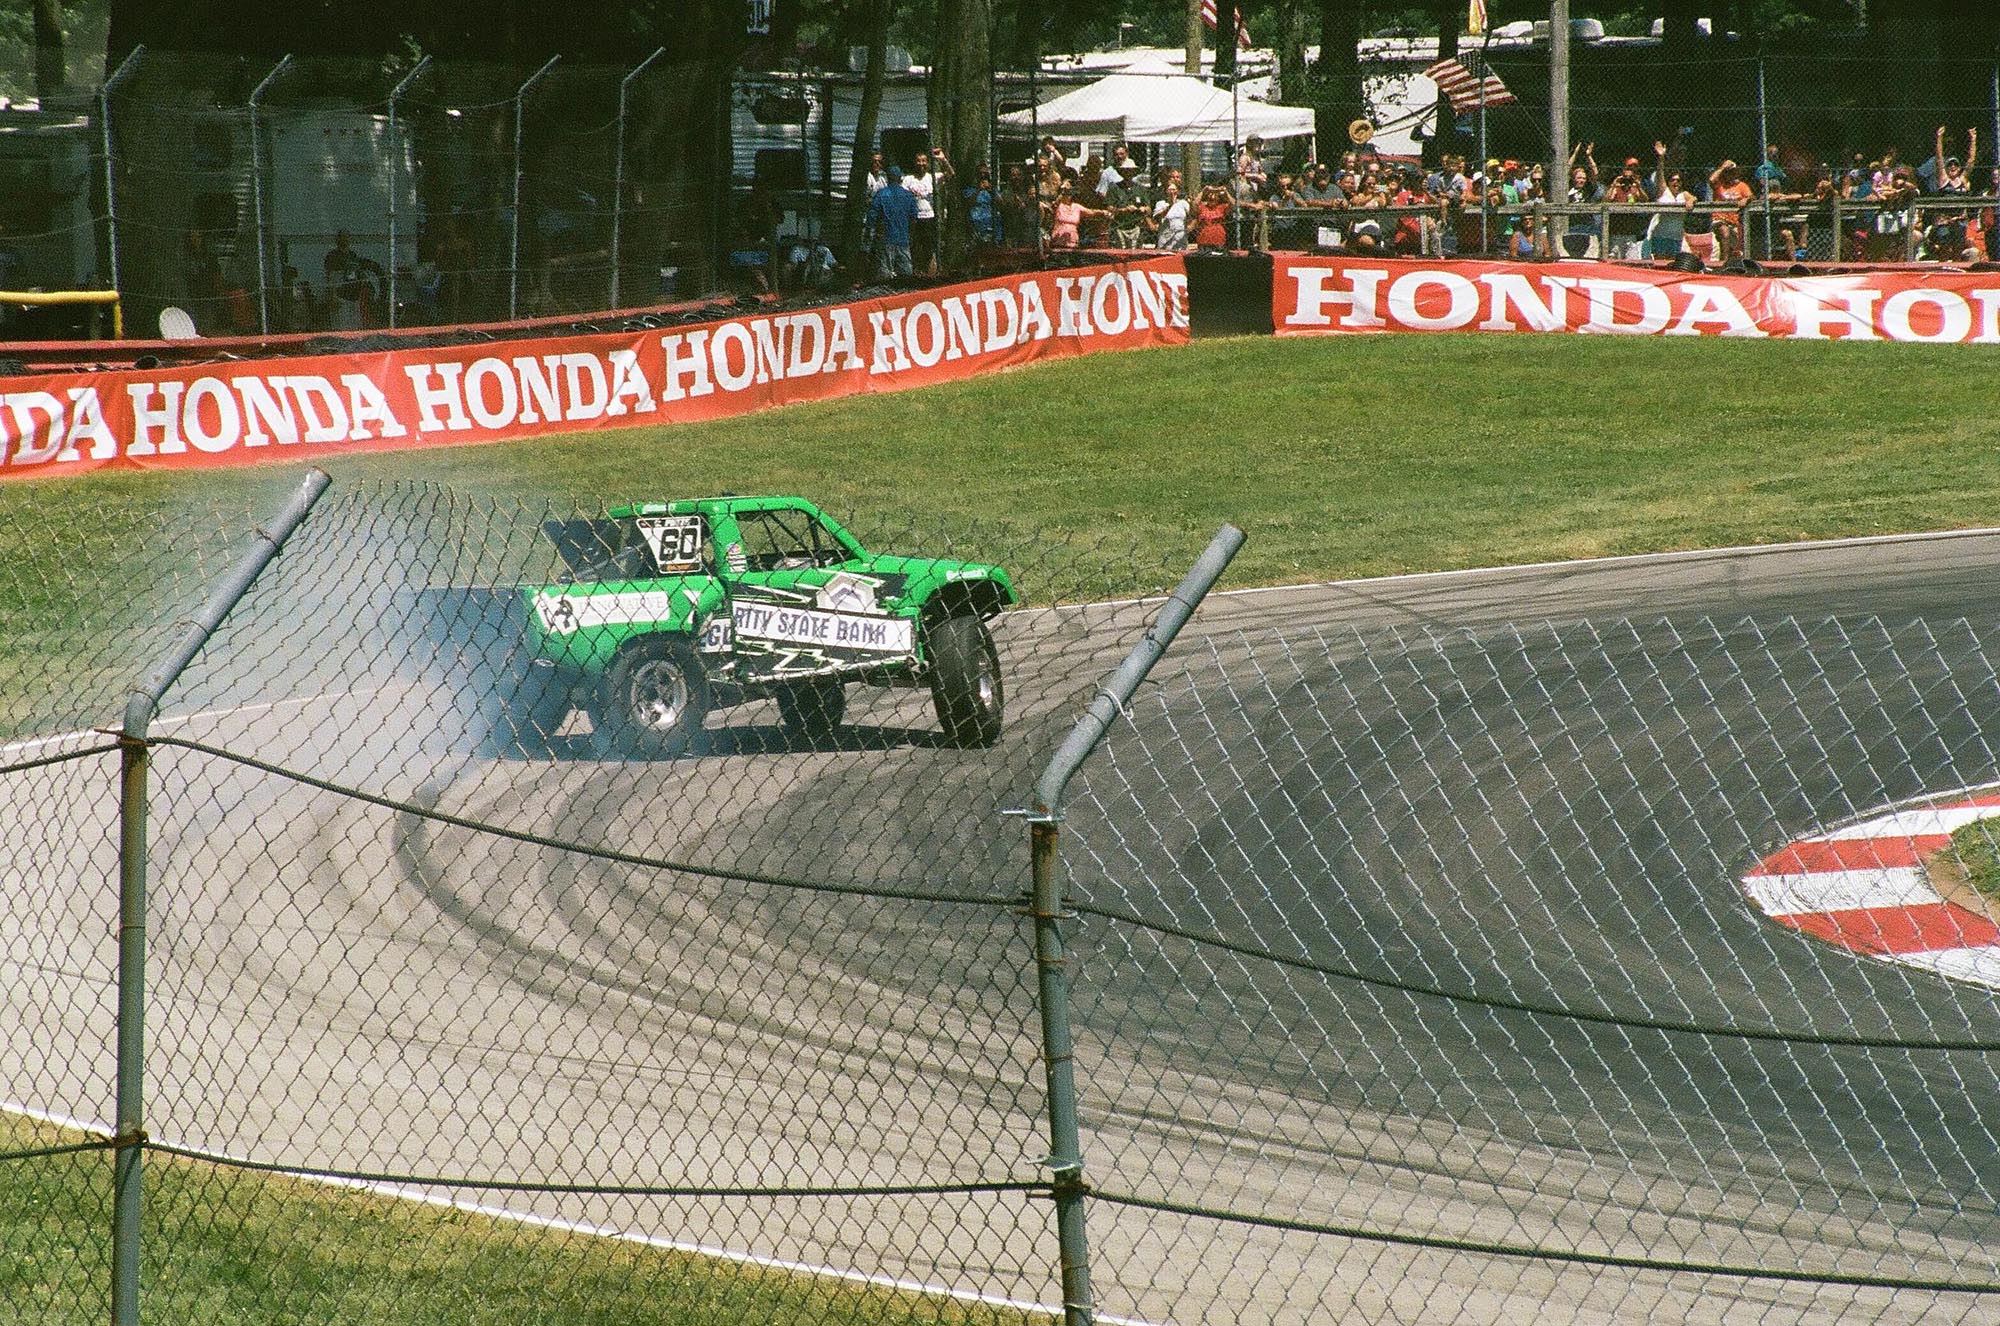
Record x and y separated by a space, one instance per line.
878 14
49 72
1289 40
1450 17
1336 96
960 105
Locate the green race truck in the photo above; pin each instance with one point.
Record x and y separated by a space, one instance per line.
670 610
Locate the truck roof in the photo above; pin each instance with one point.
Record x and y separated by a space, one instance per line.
710 506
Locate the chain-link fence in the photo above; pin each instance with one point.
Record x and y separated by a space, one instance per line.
1410 973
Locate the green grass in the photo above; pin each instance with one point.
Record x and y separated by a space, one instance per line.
229 1247
1340 457
1975 856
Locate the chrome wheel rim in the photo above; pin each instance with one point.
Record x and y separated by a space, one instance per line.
987 685
659 692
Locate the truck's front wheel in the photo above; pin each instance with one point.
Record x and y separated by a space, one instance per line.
655 698
965 681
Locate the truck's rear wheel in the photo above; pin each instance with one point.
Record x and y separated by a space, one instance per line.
965 681
812 710
655 698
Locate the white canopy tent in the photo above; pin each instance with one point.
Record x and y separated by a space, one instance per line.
1162 107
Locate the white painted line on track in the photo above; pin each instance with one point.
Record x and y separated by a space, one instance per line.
426 1197
1619 560
1980 966
1840 890
1890 913
84 733
1918 823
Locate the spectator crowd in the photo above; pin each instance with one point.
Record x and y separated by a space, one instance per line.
1649 205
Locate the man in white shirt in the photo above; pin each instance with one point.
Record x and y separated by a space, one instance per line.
924 230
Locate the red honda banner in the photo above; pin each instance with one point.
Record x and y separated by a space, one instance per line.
244 411
1340 295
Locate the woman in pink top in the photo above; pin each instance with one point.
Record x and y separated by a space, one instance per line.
1069 215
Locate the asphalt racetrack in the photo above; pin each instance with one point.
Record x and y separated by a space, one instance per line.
1535 786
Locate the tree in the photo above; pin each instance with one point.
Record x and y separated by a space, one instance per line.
49 74
1336 77
1449 15
877 15
960 105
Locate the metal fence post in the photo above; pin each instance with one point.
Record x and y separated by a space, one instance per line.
1046 905
257 199
125 67
618 172
395 162
135 762
514 247
1763 157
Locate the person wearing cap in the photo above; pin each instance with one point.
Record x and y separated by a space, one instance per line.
1628 229
892 212
1130 204
1726 185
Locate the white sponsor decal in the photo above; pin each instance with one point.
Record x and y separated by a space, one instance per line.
827 630
675 541
846 592
566 614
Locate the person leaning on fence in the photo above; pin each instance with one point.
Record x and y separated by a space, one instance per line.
1287 231
1321 190
891 214
1067 230
1131 206
1727 185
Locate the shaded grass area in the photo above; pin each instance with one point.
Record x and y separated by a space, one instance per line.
227 1247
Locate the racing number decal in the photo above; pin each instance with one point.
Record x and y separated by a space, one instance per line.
675 541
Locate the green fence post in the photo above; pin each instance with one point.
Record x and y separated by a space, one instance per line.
1051 966
135 743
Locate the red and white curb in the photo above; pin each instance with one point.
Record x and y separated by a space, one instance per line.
1863 887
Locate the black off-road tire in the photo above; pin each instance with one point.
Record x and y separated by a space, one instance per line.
813 710
965 681
655 697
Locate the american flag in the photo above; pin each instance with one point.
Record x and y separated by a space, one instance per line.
1208 18
1457 82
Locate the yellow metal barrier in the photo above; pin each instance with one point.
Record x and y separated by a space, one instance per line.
44 298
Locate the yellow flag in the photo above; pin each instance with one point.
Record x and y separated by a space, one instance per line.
1475 18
